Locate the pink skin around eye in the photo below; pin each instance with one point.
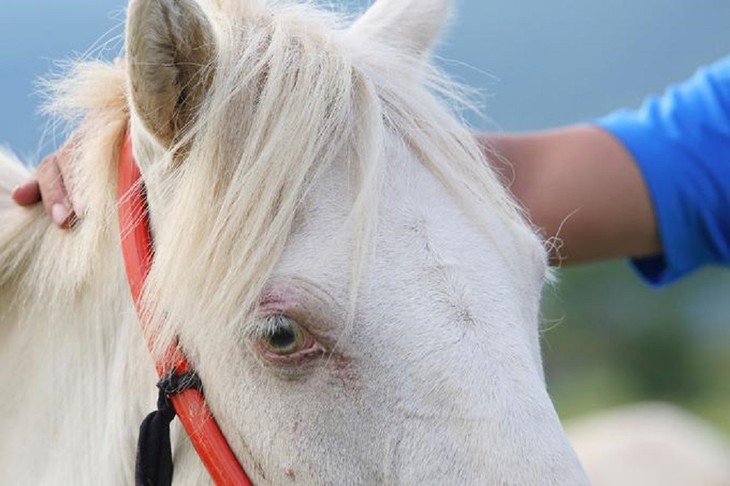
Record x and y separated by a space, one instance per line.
309 349
277 300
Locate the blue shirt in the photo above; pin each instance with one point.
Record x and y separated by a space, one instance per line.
681 143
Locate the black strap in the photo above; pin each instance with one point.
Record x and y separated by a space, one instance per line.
154 451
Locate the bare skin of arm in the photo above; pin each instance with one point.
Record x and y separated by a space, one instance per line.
578 184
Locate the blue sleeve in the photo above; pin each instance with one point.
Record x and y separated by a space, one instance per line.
681 143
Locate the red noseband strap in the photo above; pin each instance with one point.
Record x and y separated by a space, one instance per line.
189 404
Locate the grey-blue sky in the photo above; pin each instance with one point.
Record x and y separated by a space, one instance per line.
538 63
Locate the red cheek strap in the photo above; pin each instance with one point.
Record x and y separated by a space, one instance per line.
187 402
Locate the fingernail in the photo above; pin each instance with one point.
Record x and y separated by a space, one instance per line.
14 194
21 186
59 214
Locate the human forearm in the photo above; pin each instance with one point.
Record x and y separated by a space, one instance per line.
581 185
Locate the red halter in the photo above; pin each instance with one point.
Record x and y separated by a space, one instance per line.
199 423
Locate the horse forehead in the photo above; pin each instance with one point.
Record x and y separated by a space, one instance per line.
424 241
433 255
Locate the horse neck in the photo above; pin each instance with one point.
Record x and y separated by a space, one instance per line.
77 376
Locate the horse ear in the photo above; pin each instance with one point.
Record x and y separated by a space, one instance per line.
413 25
170 50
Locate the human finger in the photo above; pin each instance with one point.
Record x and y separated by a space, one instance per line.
27 194
53 192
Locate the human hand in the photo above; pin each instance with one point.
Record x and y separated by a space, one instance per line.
48 187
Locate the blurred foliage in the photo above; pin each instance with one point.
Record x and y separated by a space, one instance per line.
609 339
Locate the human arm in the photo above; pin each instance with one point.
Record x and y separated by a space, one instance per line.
679 144
652 184
577 183
581 185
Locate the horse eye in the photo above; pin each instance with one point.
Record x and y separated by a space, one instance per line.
284 337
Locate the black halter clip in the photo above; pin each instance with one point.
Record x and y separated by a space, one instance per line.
154 451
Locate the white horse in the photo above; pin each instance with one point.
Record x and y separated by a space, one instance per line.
353 284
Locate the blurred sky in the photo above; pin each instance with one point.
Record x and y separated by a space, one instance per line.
538 63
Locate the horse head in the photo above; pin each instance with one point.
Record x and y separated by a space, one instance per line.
354 285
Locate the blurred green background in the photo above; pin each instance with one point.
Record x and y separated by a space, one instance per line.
608 338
